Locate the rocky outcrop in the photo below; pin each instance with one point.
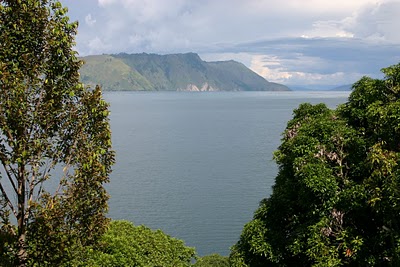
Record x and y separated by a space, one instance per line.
193 88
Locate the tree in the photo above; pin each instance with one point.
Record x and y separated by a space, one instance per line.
55 145
125 244
336 197
213 260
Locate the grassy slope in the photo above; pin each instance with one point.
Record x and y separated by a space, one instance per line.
112 74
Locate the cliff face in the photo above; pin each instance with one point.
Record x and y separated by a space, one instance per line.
193 88
175 72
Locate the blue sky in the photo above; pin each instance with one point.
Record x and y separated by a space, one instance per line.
310 43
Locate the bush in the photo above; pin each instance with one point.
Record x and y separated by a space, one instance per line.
213 260
125 244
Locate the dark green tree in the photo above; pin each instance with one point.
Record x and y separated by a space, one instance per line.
336 198
55 145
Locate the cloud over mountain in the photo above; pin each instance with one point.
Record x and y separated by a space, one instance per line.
298 42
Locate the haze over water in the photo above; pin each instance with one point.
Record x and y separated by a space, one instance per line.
196 165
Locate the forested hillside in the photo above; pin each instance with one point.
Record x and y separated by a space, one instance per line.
174 72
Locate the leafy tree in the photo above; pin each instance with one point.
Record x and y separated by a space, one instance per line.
213 260
336 198
55 146
127 245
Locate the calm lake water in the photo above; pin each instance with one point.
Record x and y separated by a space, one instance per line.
196 165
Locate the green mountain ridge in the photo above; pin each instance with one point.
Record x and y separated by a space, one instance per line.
173 72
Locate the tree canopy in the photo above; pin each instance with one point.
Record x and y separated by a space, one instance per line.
336 198
212 260
55 144
125 244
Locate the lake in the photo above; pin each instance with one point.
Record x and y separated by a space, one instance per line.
196 165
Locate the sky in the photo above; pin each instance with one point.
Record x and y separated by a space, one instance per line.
306 43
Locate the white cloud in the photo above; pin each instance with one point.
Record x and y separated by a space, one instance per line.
346 38
326 5
275 69
144 10
89 20
97 46
377 22
328 28
106 2
201 23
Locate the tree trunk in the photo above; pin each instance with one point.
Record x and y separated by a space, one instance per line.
21 254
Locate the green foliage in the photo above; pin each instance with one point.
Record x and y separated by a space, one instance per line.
213 260
336 197
127 245
55 143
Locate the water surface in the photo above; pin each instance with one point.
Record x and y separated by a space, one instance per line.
196 165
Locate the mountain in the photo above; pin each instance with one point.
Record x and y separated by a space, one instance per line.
346 87
311 87
301 88
174 72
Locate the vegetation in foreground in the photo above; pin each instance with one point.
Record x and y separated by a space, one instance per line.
336 198
55 154
335 201
127 245
213 260
55 142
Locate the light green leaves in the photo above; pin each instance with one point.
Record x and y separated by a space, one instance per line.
127 245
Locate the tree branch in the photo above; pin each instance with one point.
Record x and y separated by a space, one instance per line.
8 200
9 176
